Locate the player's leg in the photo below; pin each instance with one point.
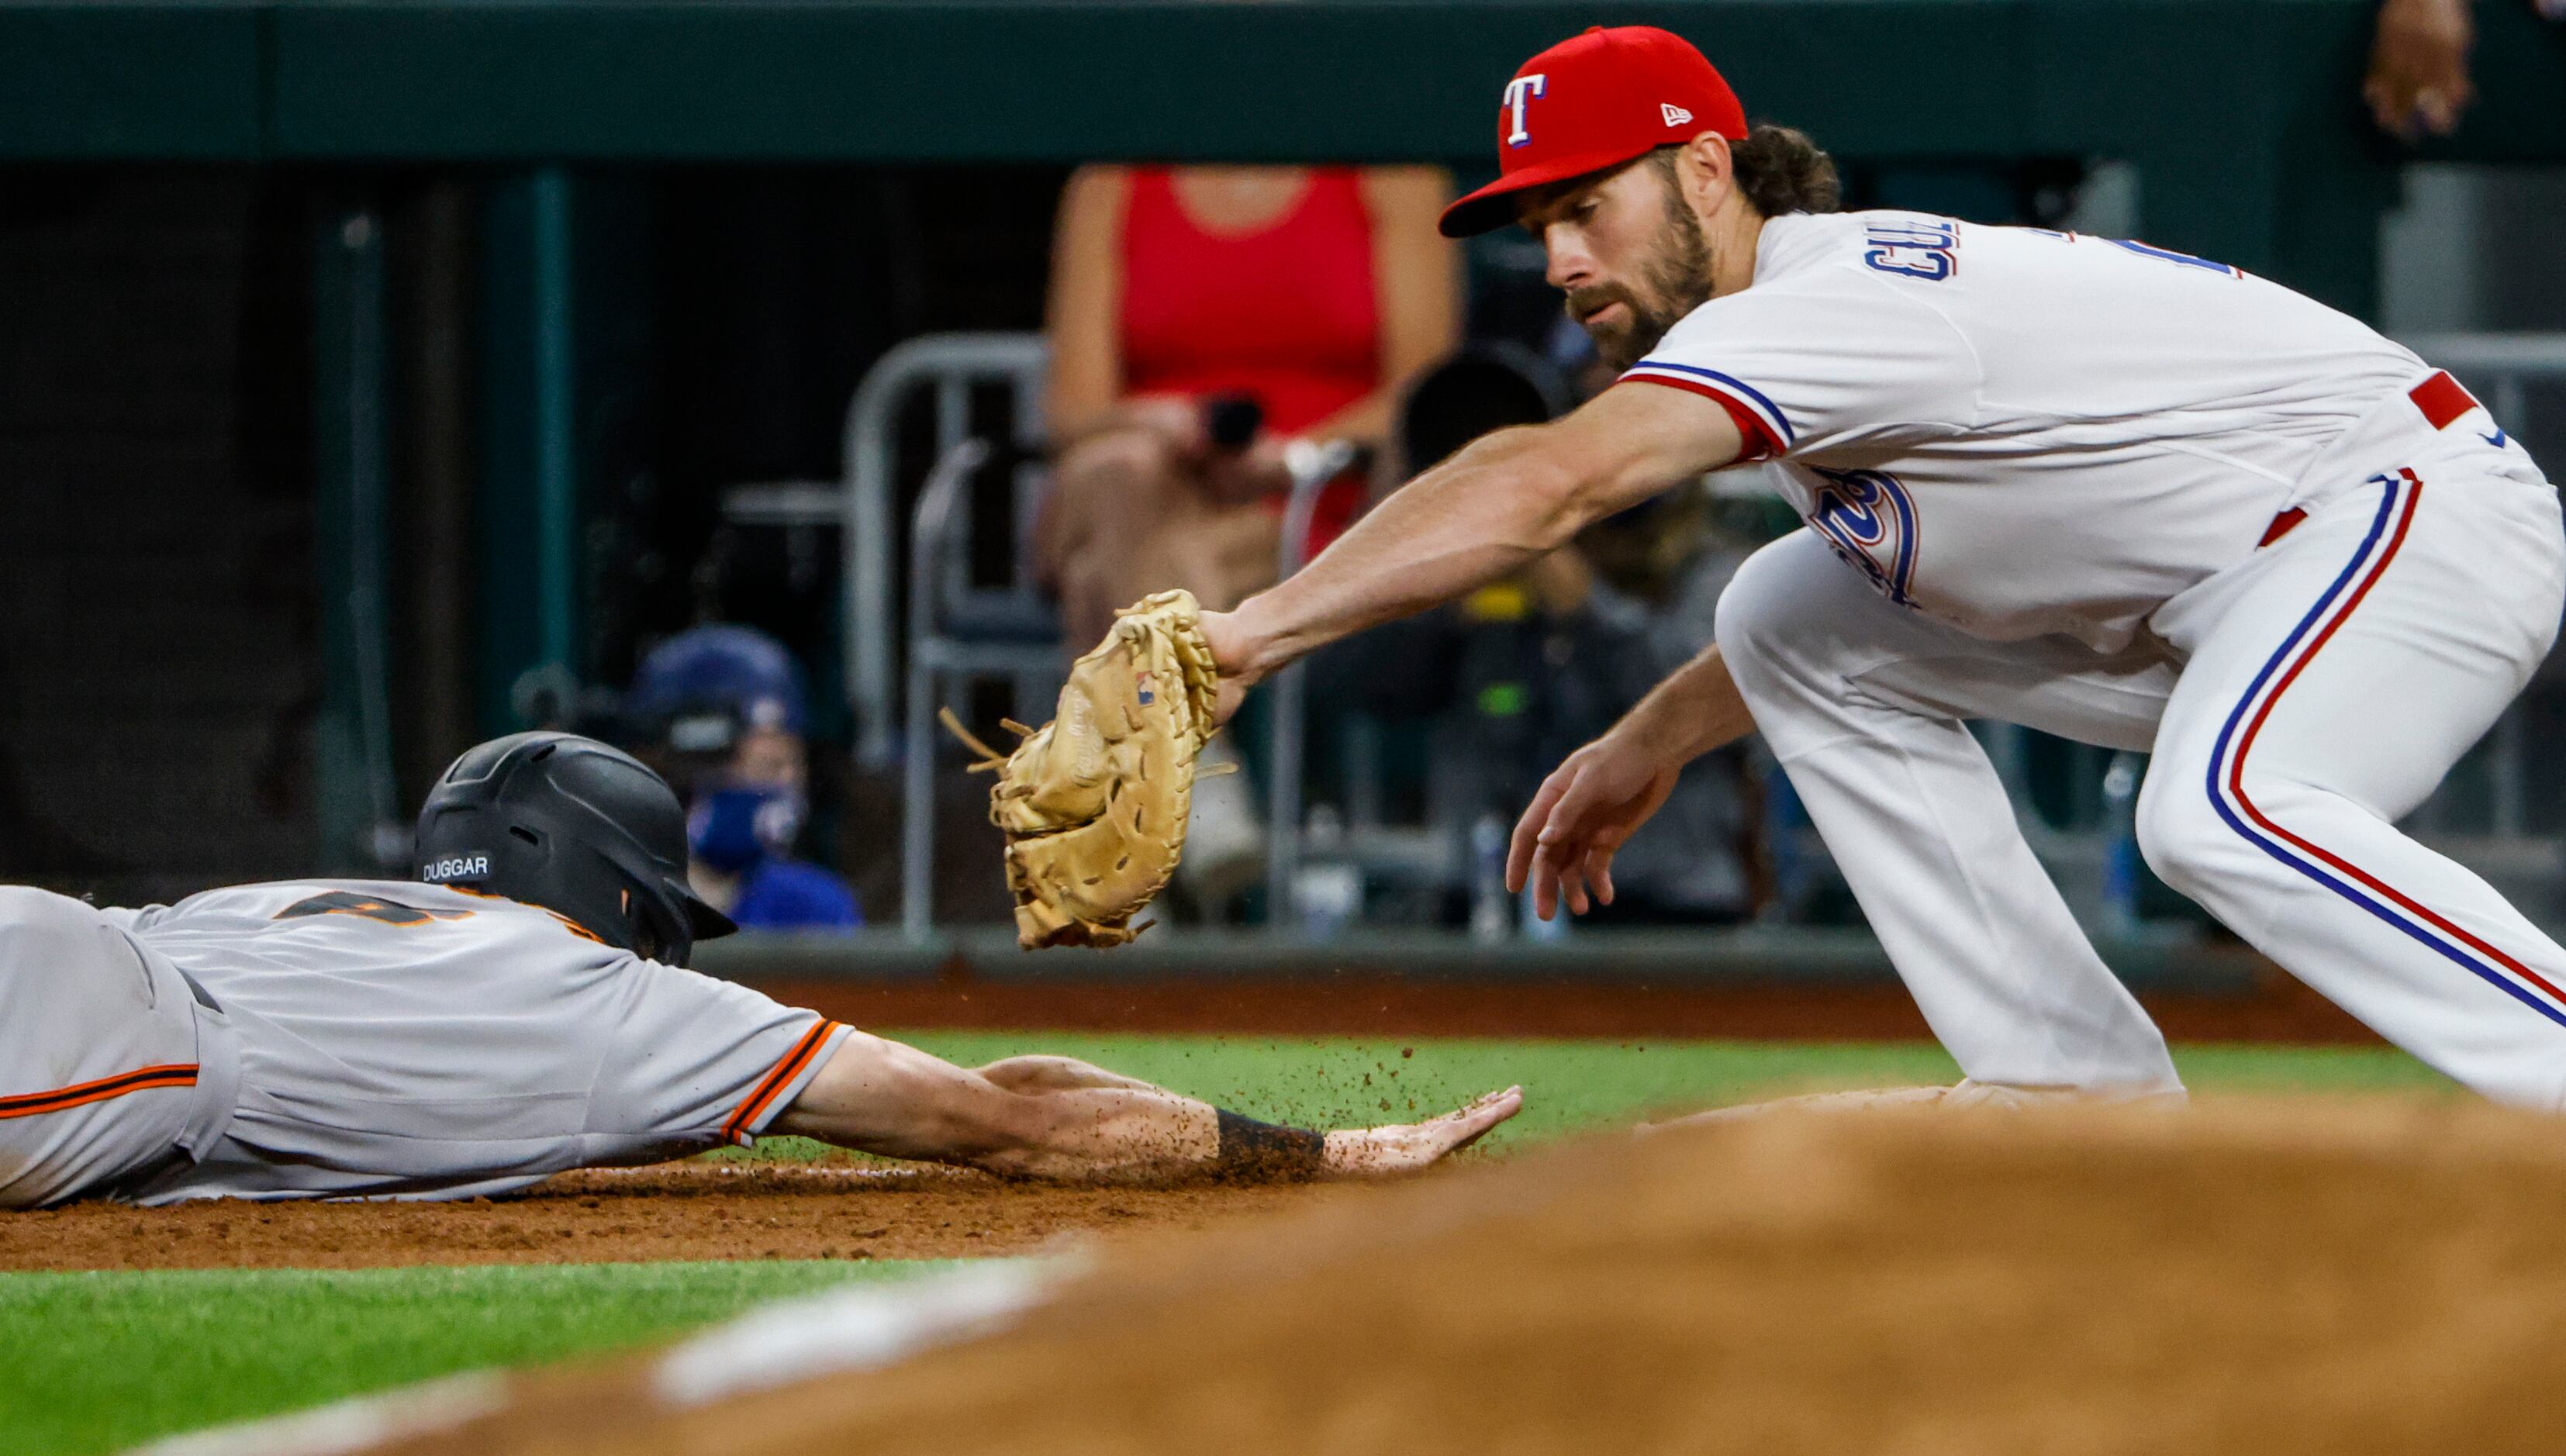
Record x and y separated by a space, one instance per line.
1055 1117
108 1074
1864 703
2333 680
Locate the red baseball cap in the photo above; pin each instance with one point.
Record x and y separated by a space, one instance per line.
1596 102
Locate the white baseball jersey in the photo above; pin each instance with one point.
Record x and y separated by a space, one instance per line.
2022 432
393 1040
2023 441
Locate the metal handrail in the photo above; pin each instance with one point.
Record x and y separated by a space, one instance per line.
2521 353
943 492
953 362
1313 468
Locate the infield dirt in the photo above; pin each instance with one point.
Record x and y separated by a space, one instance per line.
2248 1278
833 1209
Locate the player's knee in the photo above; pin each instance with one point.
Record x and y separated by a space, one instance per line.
1759 606
2180 833
1793 611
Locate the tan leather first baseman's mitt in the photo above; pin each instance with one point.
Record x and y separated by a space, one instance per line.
1093 803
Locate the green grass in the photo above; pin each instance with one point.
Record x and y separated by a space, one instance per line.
89 1362
1574 1086
97 1361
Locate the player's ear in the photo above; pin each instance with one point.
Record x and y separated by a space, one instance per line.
1707 169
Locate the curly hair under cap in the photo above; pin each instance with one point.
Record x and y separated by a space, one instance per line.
1778 168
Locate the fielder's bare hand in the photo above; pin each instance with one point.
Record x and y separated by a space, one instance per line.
1587 809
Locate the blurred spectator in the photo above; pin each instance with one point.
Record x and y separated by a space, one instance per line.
2418 66
1201 317
1201 320
723 709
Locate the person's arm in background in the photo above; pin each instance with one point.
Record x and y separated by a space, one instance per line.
1083 389
1086 374
1417 278
2418 66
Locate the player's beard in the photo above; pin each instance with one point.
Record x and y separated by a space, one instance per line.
1674 279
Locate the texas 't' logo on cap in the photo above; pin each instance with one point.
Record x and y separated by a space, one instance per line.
1519 94
1595 102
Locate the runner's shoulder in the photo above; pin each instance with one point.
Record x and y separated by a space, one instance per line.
392 901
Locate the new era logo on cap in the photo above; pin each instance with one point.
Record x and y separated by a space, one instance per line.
1675 115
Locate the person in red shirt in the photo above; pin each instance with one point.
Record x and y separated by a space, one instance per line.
1315 292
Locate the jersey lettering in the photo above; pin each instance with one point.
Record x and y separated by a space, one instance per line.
1868 517
370 907
1914 249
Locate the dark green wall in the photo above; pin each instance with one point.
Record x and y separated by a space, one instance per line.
2241 114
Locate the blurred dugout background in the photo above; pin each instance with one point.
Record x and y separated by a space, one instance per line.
378 379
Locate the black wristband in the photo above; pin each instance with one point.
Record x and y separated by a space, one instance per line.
1267 1153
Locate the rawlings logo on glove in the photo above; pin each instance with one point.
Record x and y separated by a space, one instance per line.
1093 803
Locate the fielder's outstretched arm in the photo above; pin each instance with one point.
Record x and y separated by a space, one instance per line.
1055 1117
1508 498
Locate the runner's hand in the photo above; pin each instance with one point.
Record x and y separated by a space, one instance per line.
1372 1153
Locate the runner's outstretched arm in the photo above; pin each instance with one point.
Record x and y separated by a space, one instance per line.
1055 1117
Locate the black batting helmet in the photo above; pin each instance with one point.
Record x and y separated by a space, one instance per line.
580 829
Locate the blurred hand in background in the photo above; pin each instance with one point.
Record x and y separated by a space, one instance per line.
2418 66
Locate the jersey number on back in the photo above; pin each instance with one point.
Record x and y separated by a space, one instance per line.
370 907
2147 250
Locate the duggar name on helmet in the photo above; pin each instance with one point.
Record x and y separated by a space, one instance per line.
580 829
462 866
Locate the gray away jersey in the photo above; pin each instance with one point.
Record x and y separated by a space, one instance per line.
416 1041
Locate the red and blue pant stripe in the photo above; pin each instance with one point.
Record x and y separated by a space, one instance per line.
2399 496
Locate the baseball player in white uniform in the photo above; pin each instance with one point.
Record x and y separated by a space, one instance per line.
2105 490
526 1014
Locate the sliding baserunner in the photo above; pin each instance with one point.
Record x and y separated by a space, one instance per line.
2105 490
521 1012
